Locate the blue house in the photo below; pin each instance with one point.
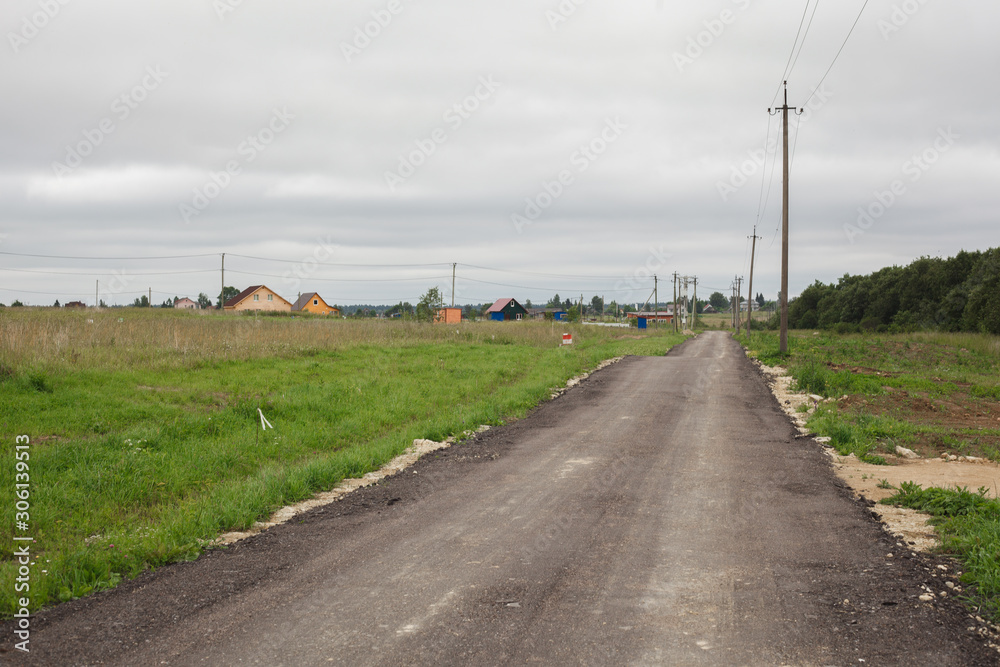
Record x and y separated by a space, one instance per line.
506 309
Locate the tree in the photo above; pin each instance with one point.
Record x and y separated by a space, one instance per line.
430 303
228 292
141 303
204 301
56 304
567 304
527 303
17 304
573 313
169 303
597 304
718 301
554 302
760 300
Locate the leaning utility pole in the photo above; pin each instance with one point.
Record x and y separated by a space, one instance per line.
453 265
783 338
753 249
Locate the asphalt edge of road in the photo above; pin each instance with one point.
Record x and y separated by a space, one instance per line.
976 626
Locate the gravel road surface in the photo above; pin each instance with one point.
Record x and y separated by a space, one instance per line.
662 513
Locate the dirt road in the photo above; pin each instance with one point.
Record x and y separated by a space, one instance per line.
661 513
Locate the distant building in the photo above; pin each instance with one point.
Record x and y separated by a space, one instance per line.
558 314
311 302
506 309
258 297
658 316
186 303
708 310
76 304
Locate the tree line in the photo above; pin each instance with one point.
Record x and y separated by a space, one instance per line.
960 293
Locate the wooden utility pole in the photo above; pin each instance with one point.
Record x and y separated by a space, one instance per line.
97 294
783 337
150 297
739 288
753 249
222 292
673 316
453 265
694 313
656 302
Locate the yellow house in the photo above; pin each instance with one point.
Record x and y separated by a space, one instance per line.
258 297
314 303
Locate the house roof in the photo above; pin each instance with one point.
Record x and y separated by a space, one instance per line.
184 298
247 292
304 299
501 304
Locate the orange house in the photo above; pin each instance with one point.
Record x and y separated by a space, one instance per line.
449 315
258 297
314 303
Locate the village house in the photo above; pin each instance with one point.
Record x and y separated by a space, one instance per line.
258 297
311 302
186 303
505 310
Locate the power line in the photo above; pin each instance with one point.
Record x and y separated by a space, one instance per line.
299 261
803 42
839 51
106 259
784 75
105 273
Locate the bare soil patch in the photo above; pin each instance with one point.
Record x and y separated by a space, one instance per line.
864 478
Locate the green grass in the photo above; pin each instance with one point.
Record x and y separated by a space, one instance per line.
144 452
969 524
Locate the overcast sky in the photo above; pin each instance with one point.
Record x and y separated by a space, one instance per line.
575 147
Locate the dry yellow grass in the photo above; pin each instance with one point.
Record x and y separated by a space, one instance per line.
132 337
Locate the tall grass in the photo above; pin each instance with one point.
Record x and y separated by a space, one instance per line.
138 337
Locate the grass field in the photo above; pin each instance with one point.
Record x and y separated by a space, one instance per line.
145 432
933 393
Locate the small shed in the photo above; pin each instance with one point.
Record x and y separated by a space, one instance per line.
505 310
448 315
